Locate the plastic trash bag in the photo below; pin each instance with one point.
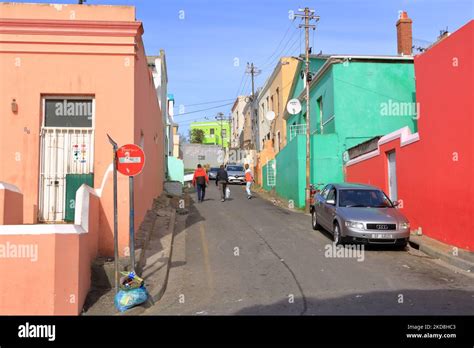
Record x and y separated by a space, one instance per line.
126 299
227 193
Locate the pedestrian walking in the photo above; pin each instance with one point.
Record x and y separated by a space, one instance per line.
221 179
200 179
248 180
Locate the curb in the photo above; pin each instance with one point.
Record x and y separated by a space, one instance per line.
443 252
156 294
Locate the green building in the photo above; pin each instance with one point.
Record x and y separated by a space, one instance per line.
353 99
215 132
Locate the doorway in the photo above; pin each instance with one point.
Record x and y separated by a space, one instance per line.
392 176
66 147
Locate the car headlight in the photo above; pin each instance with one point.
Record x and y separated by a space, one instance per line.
404 225
355 224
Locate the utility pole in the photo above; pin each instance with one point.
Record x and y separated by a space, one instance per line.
308 15
253 71
220 117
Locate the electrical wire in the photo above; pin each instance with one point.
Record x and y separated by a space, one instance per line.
276 49
209 102
213 107
283 50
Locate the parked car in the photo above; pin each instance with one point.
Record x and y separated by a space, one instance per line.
236 173
359 214
212 173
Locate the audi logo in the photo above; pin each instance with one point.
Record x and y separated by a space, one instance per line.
381 227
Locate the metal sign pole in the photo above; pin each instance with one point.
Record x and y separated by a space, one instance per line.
116 253
132 224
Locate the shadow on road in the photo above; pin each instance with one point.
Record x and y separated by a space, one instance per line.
400 302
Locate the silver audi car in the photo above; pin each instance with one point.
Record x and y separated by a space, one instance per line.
356 213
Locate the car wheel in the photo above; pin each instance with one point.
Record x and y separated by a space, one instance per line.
314 220
402 246
336 234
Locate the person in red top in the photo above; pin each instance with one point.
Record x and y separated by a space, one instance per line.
200 179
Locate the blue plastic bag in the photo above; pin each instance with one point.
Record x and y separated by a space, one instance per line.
126 299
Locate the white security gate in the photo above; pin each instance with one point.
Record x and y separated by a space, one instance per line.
271 173
63 151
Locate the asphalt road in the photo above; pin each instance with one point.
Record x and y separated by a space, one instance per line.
251 257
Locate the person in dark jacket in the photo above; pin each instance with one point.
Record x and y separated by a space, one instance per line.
221 179
200 179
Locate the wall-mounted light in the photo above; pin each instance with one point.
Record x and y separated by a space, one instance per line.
14 106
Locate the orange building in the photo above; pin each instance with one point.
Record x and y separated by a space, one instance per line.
71 74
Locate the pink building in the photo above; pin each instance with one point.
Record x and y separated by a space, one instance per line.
71 74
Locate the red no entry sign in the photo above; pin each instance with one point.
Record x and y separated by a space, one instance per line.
130 159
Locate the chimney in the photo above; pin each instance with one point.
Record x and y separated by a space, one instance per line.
404 36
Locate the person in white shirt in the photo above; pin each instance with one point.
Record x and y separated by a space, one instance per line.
248 180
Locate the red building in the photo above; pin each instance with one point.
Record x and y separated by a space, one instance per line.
431 172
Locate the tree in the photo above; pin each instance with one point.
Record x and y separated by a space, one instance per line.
196 136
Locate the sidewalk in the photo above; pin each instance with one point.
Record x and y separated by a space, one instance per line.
153 258
457 257
273 197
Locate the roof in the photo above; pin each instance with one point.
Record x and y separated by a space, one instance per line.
151 60
348 185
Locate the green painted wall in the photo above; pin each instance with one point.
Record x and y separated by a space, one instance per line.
291 172
362 91
315 64
264 178
363 98
326 159
175 169
215 139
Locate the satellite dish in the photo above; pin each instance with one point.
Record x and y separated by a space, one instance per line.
293 107
270 115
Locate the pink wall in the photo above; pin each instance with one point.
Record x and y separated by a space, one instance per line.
435 173
55 279
148 124
11 206
46 53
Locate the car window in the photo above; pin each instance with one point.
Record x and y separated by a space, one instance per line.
364 198
332 194
324 192
235 168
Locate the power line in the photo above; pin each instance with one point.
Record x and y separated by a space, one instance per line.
240 85
214 107
209 102
276 49
280 53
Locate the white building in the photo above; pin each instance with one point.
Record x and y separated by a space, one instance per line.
238 121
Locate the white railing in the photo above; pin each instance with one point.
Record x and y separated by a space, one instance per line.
297 129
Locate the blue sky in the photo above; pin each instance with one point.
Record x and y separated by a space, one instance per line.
202 47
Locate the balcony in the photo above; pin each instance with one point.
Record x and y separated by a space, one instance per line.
297 129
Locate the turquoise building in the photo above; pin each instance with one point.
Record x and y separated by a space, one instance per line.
353 99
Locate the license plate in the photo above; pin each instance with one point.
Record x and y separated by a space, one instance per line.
382 236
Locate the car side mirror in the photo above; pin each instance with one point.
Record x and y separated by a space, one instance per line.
331 202
396 203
